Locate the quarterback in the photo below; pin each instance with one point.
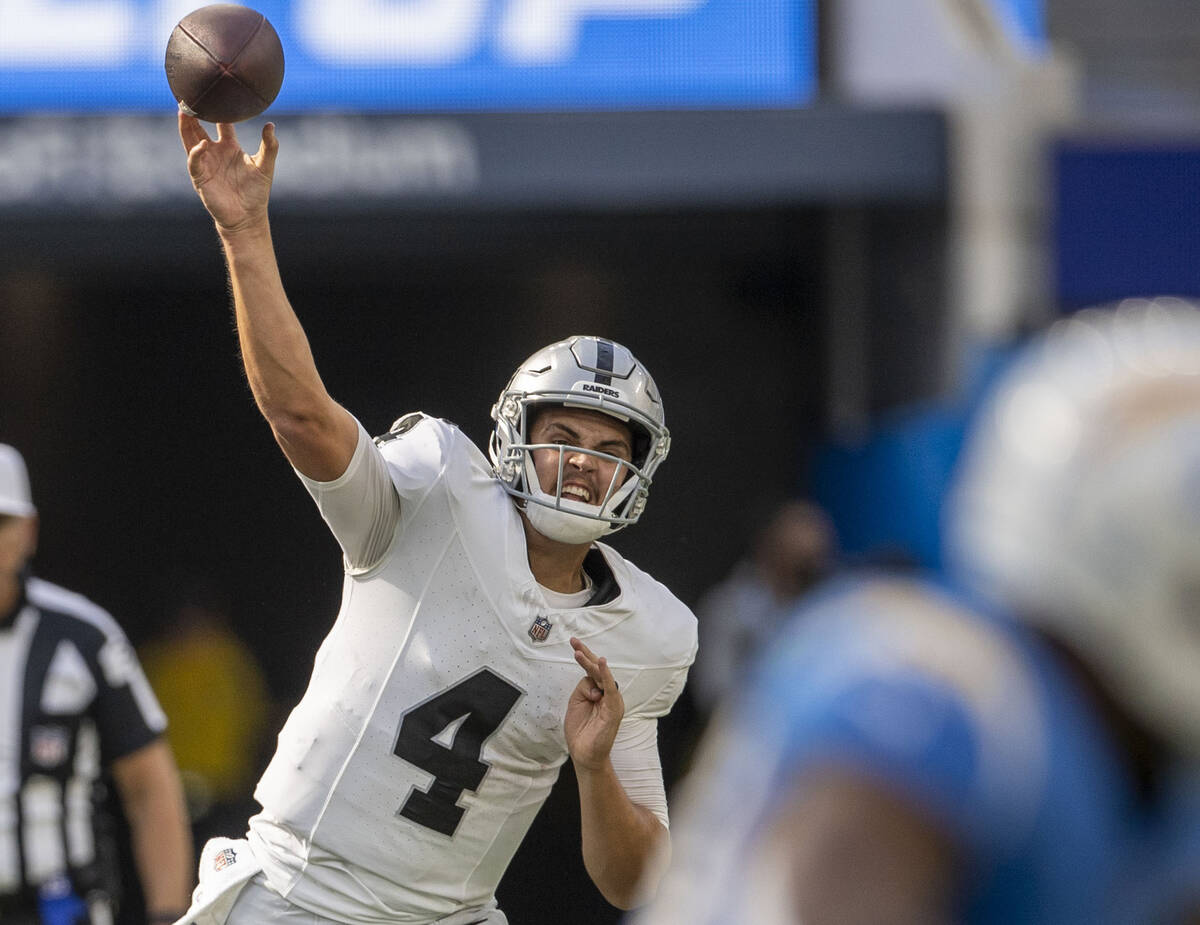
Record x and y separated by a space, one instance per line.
485 635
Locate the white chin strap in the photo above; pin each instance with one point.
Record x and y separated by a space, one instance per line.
563 525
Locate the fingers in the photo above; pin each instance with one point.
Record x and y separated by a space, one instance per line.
587 690
586 658
226 132
596 668
191 132
608 682
268 149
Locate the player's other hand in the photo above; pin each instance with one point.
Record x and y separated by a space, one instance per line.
594 711
233 185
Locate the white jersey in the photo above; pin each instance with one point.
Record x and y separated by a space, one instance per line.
432 728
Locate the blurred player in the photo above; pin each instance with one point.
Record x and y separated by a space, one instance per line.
908 755
215 695
792 552
433 726
74 709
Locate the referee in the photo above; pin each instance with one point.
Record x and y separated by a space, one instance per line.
76 712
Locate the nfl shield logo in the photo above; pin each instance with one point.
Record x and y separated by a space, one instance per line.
539 630
224 858
49 746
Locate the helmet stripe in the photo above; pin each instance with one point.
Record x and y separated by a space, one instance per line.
604 361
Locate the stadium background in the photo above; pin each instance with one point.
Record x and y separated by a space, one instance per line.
819 224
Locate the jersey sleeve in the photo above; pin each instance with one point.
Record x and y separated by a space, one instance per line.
361 506
125 709
635 757
638 767
661 703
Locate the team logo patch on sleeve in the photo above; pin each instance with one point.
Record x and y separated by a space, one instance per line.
540 629
224 858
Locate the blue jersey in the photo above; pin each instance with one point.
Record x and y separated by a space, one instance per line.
968 717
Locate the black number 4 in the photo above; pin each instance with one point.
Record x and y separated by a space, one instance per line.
480 702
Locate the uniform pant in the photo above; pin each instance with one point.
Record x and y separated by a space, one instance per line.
258 903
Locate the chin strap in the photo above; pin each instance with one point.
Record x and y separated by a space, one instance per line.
564 526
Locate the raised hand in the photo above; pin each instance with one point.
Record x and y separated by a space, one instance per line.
233 185
594 711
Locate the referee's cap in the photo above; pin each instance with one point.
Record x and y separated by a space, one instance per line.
15 497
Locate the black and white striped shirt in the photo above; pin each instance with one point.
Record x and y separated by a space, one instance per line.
73 698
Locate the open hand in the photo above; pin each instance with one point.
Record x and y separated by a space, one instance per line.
233 186
594 711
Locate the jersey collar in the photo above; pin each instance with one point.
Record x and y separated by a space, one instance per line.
606 587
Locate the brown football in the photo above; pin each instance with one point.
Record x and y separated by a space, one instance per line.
224 63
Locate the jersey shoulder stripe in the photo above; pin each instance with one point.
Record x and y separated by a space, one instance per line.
51 598
110 654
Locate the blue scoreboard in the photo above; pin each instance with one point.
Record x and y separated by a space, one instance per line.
430 55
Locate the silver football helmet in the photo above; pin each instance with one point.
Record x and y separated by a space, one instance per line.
594 374
1078 501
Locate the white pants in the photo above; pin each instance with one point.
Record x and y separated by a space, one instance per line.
234 891
258 903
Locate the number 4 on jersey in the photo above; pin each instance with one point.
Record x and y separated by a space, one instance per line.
477 705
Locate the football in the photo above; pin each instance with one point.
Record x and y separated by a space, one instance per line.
224 63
